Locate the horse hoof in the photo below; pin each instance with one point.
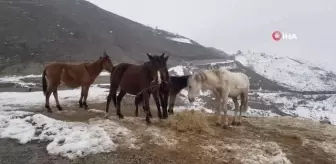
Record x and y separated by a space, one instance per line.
49 110
234 123
148 121
59 107
225 127
238 123
80 105
218 124
106 115
120 116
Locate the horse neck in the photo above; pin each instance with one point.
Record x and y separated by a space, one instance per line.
180 82
95 68
147 69
202 79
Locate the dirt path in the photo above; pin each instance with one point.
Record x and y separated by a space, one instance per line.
259 140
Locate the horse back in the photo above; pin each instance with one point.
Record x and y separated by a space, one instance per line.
240 80
131 78
70 74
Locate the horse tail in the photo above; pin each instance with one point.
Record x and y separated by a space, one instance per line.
115 78
44 81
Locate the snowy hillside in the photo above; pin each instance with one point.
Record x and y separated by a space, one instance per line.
288 72
274 103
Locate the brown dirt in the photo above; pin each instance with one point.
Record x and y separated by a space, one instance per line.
258 140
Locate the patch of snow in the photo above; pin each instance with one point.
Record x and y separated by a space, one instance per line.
161 138
179 70
258 112
96 111
242 60
289 72
18 80
35 100
182 40
104 73
68 139
117 132
307 106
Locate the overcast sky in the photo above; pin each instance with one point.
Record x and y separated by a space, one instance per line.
232 25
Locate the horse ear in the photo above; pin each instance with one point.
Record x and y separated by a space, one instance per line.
149 56
163 55
166 58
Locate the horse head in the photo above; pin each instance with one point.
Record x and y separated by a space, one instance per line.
106 62
194 85
158 67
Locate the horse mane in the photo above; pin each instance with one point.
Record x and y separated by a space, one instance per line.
89 65
200 77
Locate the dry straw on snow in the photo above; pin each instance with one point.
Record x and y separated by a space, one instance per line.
190 121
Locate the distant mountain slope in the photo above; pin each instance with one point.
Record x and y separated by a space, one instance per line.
289 72
257 81
38 31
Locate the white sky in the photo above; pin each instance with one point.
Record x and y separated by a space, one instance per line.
233 25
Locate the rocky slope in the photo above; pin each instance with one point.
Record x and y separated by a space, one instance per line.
33 32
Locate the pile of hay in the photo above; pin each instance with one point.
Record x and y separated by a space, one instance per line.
190 121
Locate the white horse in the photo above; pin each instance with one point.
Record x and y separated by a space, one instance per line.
224 84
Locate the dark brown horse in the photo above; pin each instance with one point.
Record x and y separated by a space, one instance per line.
163 95
136 79
176 84
73 76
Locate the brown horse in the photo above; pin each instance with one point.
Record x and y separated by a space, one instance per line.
136 79
73 76
176 84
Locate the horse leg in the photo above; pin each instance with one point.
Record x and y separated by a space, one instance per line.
56 99
111 96
235 101
162 96
146 107
243 106
172 99
164 99
85 95
157 102
47 96
137 101
218 109
119 98
81 98
224 106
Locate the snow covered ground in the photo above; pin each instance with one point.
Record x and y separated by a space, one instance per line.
19 80
182 40
68 139
290 72
316 107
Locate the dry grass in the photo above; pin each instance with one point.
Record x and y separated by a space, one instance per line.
190 121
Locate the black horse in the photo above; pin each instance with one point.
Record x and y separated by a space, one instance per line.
170 89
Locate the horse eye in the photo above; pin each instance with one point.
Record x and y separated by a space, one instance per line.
189 86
